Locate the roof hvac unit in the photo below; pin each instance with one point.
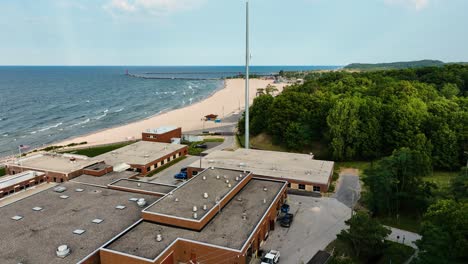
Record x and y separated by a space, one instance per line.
63 251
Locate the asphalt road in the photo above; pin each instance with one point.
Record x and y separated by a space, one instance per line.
316 223
348 189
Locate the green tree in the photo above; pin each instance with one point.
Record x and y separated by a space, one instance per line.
449 90
459 185
395 182
365 234
444 233
271 89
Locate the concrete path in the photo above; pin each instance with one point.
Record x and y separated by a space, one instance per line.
404 237
348 187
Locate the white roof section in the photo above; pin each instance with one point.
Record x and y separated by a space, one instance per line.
121 167
139 153
293 166
61 163
11 180
161 130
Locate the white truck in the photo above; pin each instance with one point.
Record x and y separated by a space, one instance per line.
271 257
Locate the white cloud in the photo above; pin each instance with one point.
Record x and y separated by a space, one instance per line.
153 6
415 4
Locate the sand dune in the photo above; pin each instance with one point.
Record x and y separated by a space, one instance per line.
225 101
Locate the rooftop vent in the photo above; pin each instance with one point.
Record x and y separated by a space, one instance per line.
60 189
141 202
97 221
17 217
139 184
240 176
204 177
204 207
120 207
244 216
176 199
217 177
195 208
159 237
64 196
237 178
264 201
211 161
133 199
37 209
229 185
239 199
242 164
195 215
146 156
63 251
78 231
205 195
212 167
79 190
227 181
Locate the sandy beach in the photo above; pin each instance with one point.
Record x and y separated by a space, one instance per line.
224 102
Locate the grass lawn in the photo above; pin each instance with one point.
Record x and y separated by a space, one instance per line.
2 171
360 165
96 151
405 221
165 166
394 253
194 151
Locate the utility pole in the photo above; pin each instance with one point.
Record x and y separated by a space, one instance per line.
247 62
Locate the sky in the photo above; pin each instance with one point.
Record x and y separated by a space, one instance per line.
212 32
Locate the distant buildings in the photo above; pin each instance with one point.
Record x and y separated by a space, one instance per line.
167 134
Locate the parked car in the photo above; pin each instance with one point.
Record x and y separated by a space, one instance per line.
285 208
203 146
181 176
271 257
287 220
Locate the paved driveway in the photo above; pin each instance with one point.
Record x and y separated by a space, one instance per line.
348 188
316 223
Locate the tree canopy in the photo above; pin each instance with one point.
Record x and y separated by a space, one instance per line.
368 115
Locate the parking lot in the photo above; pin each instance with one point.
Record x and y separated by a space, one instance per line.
316 223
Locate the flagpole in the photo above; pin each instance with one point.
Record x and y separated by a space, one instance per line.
247 62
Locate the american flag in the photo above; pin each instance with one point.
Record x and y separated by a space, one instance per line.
23 147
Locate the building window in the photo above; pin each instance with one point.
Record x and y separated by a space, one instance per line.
61 179
55 179
148 169
174 156
301 186
289 185
316 188
162 162
168 159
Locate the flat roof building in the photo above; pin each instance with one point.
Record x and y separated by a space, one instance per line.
81 217
165 134
144 156
10 184
57 167
237 222
300 170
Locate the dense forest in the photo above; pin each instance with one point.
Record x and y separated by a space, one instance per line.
408 122
368 115
394 65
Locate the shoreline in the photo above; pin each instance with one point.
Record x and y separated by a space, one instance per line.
188 117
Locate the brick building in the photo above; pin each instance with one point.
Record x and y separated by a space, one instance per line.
144 156
217 216
11 184
300 170
57 167
162 134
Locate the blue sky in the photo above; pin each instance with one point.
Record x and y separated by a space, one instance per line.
211 32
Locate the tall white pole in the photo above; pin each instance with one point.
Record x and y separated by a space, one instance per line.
247 62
